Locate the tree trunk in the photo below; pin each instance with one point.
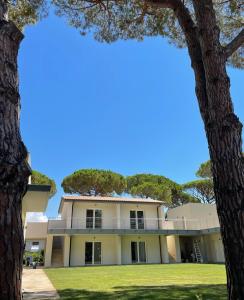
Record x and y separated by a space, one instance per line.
14 170
223 130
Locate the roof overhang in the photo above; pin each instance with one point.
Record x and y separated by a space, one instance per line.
36 198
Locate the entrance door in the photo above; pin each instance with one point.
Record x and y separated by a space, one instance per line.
138 252
88 253
93 253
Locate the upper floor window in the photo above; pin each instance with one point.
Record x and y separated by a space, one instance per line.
136 219
94 218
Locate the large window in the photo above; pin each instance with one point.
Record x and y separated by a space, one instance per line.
136 219
138 252
93 253
93 218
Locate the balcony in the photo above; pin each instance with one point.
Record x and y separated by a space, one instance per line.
115 225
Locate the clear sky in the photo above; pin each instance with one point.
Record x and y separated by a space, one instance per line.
129 107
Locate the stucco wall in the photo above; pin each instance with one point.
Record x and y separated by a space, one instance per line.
197 215
174 251
214 248
109 214
28 244
114 215
109 250
152 248
36 230
150 215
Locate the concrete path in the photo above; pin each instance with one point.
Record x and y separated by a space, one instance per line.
36 285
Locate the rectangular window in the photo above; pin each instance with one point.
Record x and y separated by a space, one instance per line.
98 218
134 254
136 219
93 253
93 218
35 243
88 253
138 252
142 252
97 253
89 218
132 219
140 219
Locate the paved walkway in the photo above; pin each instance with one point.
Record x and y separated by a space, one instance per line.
36 285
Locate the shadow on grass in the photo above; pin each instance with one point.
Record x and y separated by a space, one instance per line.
171 292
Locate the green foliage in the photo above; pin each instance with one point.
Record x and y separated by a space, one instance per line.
202 190
158 187
36 256
136 19
94 182
26 12
204 170
39 178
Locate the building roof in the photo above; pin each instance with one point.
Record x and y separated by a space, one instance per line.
38 188
108 200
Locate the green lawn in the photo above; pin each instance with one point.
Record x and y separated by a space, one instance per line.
171 282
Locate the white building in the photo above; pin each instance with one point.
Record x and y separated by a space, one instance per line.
116 230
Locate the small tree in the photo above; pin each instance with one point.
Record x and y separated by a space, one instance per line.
93 182
39 178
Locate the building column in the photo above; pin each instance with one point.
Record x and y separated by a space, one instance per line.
118 216
66 250
48 251
161 216
118 248
173 243
164 249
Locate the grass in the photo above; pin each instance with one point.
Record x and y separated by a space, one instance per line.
171 282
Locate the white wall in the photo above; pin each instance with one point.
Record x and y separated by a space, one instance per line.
28 244
150 215
109 215
109 249
114 215
197 215
152 248
36 230
214 248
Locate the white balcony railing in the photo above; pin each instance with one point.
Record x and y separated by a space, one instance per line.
143 224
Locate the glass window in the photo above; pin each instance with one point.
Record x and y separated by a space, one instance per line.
142 252
134 254
140 219
97 252
98 218
89 218
132 219
35 243
88 253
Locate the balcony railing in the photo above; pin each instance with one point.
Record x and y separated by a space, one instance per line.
130 223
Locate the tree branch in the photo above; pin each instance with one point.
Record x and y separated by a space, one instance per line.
236 43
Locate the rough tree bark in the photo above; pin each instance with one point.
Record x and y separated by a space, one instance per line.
223 128
14 170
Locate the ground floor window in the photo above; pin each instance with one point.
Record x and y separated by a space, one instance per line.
93 253
138 252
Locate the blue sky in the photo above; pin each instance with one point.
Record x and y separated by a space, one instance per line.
129 106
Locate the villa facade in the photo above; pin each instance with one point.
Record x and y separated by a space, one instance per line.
115 230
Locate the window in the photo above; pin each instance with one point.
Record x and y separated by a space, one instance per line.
93 218
93 251
136 219
138 252
35 246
